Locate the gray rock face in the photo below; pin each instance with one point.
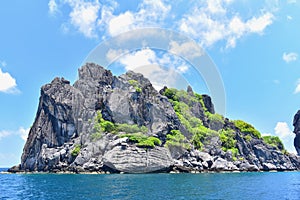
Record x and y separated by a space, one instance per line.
221 164
296 124
208 103
138 160
61 138
55 123
65 116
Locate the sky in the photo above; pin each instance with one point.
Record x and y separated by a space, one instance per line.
254 45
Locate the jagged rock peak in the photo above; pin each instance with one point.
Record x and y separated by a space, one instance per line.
190 90
58 80
66 117
131 75
92 71
208 103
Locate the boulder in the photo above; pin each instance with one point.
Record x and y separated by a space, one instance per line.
138 160
269 166
221 164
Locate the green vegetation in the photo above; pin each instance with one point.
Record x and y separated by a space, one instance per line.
182 103
150 142
248 138
176 138
142 140
200 133
133 82
101 126
76 150
274 141
181 95
171 94
246 128
133 132
285 152
228 142
215 118
195 122
136 85
200 99
107 126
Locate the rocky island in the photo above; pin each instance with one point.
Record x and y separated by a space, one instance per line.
103 123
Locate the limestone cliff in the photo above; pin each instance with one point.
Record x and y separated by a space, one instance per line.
122 124
296 124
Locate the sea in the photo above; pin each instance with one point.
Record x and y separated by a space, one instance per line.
213 186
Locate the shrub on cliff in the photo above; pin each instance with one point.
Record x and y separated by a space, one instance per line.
76 150
215 118
176 138
228 140
142 140
274 141
246 128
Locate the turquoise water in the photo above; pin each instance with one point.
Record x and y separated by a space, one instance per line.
281 185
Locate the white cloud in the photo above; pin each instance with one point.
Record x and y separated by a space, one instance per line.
258 24
237 26
288 17
208 22
283 131
160 76
7 83
162 69
215 6
121 23
297 89
89 17
156 10
83 16
150 13
52 7
22 133
212 23
289 57
106 16
200 25
139 58
183 68
147 56
186 49
113 54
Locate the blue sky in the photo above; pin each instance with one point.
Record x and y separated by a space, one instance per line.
254 44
